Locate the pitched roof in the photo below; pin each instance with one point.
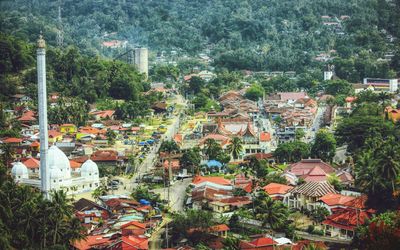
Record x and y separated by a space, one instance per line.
134 223
284 96
219 228
304 166
314 189
315 174
32 163
74 164
35 144
137 242
276 188
103 113
92 241
12 140
347 219
54 133
262 242
85 204
213 179
336 199
175 164
358 203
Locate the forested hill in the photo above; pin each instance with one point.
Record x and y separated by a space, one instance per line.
272 34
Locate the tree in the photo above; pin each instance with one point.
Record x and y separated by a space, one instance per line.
319 214
334 180
111 137
324 146
169 147
142 192
291 151
231 243
235 148
381 232
338 87
255 92
100 190
270 212
299 134
191 158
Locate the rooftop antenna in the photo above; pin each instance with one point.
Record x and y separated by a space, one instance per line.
60 32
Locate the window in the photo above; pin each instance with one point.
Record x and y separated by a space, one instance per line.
90 185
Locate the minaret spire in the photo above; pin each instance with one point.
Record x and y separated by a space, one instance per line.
42 102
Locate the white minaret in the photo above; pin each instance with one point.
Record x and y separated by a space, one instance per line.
42 98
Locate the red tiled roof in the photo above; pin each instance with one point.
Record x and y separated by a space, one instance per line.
214 179
74 164
276 188
134 223
358 203
91 241
265 136
104 155
54 133
32 163
291 95
262 242
178 138
132 242
26 118
219 228
115 202
336 199
12 140
103 113
35 144
347 219
208 194
304 167
67 125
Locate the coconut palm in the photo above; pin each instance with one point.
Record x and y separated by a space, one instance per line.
235 148
270 212
389 161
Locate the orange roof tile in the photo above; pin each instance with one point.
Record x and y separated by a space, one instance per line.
336 199
214 179
54 133
262 242
134 223
175 164
32 163
276 188
74 164
12 140
219 228
35 144
91 241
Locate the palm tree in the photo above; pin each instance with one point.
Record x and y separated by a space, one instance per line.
231 243
235 148
366 177
389 161
61 209
7 153
270 212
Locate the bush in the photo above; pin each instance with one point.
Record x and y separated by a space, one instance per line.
317 232
310 229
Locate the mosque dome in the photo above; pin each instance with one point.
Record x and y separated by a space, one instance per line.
89 168
57 158
19 170
55 173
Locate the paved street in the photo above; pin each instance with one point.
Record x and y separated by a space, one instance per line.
177 194
310 136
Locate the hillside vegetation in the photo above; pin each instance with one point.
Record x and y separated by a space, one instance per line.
253 34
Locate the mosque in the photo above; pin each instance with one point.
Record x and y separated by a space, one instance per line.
60 174
55 169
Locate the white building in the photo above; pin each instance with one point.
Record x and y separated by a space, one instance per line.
60 174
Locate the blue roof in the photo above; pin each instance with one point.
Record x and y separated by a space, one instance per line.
142 143
214 163
144 202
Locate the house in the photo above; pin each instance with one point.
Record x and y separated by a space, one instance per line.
159 107
307 195
263 243
133 228
333 201
93 242
68 128
88 211
311 170
13 141
103 115
175 165
343 222
277 191
33 165
229 204
219 230
120 206
54 136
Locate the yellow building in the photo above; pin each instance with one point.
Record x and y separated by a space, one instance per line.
68 128
55 136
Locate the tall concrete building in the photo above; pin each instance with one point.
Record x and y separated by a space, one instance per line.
329 72
141 60
42 98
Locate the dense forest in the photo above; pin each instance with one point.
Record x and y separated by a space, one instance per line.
253 34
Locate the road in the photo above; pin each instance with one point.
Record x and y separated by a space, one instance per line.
177 194
316 124
151 157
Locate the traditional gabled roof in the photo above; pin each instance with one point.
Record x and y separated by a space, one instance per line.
314 189
347 219
248 131
213 179
85 204
304 166
315 174
134 223
336 199
276 188
32 163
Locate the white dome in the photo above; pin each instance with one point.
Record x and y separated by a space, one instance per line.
60 160
55 173
19 170
89 168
